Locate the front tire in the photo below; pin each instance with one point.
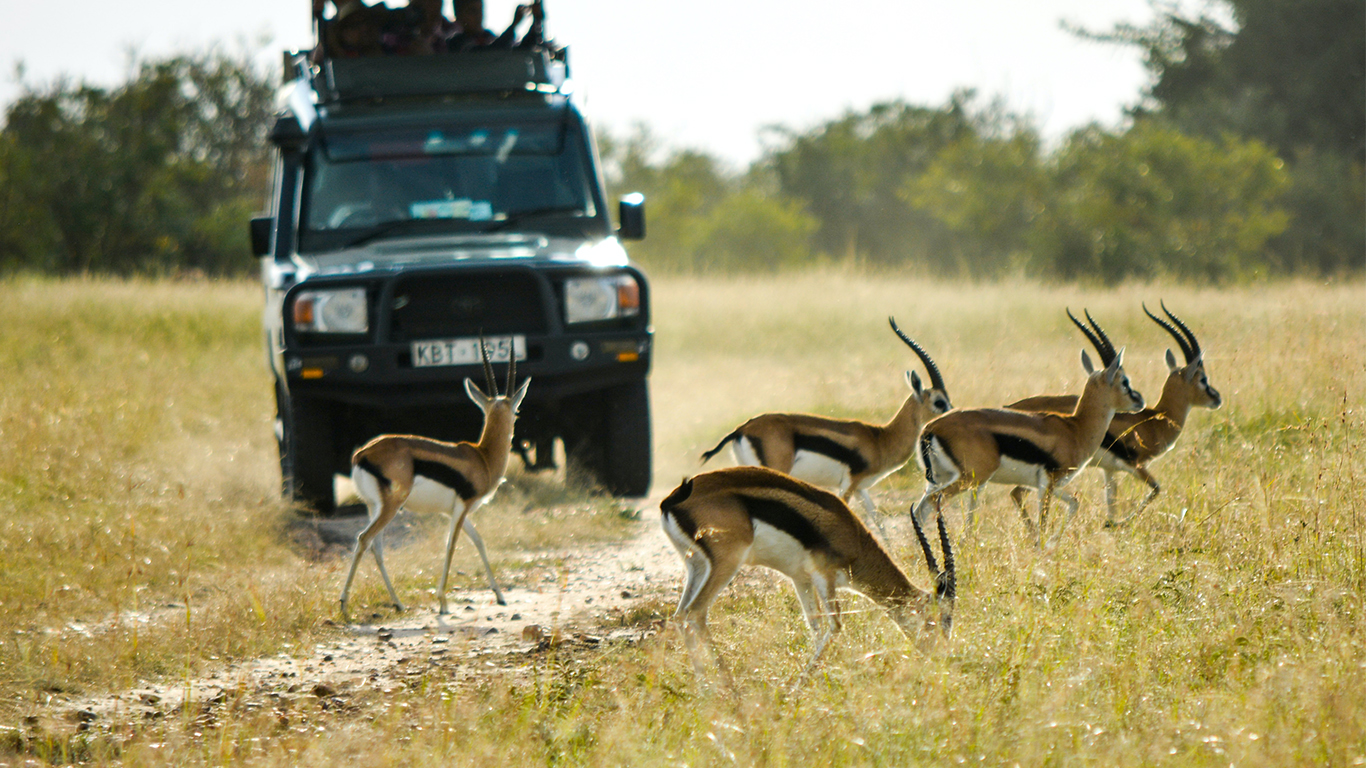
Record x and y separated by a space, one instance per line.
614 452
629 441
306 452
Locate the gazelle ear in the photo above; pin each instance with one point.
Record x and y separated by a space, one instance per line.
480 399
1194 366
913 381
1086 363
1171 362
1112 370
521 393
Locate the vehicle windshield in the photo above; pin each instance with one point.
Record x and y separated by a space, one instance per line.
457 178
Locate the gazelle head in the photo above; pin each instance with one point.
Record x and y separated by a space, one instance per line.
1193 372
1111 380
936 398
916 616
497 405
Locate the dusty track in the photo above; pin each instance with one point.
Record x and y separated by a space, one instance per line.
584 603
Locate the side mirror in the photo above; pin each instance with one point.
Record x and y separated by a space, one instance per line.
288 134
631 217
262 227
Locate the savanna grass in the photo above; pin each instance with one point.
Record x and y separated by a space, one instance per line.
1224 626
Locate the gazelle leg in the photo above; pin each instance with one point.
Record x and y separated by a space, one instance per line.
363 541
1045 501
1017 495
1111 498
829 609
457 521
1153 489
378 549
970 512
478 542
1072 504
720 572
873 515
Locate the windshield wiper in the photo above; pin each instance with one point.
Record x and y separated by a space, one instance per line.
531 213
381 229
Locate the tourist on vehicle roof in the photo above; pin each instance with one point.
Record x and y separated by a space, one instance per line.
469 15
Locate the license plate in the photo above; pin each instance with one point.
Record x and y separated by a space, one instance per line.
436 352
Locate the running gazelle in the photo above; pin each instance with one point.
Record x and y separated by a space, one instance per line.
849 455
964 449
722 520
393 472
1135 440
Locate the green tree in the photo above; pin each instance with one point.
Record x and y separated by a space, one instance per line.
1155 202
703 217
139 178
850 174
1290 73
987 187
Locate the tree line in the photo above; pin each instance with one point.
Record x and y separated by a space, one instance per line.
1243 158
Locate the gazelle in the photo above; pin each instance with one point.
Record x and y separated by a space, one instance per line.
728 518
849 455
392 472
1135 440
964 449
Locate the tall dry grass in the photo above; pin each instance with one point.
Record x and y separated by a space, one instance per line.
1224 627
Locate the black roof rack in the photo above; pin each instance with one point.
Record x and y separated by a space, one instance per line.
530 70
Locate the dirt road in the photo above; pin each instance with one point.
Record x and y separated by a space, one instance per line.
592 598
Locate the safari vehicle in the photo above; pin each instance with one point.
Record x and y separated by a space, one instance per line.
421 203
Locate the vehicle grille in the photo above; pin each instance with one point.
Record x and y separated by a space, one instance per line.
464 305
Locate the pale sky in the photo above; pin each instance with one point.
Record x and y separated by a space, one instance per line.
704 74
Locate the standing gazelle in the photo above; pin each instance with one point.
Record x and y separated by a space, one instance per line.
722 520
1135 440
405 471
846 454
963 449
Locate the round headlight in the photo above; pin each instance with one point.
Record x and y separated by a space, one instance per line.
344 312
589 299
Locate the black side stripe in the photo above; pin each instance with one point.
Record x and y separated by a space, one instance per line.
1024 451
445 475
785 519
369 466
1119 448
845 455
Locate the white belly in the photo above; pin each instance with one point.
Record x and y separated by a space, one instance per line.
429 496
819 469
1012 472
774 549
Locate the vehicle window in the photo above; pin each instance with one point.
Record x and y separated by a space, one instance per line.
459 178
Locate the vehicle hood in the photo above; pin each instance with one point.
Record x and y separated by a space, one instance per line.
456 249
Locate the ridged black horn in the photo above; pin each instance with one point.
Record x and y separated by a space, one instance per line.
925 544
1195 345
936 381
1169 328
1101 333
488 367
949 589
1097 338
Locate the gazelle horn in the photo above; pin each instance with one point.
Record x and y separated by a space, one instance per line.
1195 345
488 367
936 381
1098 339
1175 334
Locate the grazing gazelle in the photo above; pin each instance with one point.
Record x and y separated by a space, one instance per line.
963 449
1135 440
722 520
405 471
845 454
